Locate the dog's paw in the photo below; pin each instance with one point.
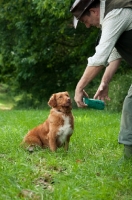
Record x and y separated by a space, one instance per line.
30 149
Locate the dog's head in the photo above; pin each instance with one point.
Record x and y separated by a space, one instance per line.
59 100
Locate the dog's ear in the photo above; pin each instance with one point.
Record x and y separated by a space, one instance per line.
67 93
52 101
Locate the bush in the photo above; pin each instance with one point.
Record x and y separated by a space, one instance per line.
118 90
27 101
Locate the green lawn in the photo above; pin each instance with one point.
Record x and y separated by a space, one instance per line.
89 171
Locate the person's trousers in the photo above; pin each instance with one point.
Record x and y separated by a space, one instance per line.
125 135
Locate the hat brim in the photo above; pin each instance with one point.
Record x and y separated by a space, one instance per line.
75 22
78 8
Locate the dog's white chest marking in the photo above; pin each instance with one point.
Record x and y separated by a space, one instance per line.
65 130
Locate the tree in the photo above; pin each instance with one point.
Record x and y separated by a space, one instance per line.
40 48
41 52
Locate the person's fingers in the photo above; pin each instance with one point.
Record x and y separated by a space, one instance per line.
103 98
96 96
81 104
107 98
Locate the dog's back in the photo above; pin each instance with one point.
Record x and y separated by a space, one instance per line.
38 136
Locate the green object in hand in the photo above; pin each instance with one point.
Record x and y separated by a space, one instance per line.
94 103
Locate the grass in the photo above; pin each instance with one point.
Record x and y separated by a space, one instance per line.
89 171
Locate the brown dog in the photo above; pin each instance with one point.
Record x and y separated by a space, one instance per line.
57 129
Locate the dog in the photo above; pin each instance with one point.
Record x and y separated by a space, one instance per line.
56 131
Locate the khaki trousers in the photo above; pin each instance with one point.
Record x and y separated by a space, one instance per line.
125 135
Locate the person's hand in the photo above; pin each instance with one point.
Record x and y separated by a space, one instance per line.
102 92
79 94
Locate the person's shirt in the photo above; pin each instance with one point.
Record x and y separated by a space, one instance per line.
113 25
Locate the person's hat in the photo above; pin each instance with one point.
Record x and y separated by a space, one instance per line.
78 9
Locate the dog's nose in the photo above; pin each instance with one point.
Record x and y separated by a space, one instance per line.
68 99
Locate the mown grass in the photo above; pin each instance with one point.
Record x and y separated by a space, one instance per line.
90 170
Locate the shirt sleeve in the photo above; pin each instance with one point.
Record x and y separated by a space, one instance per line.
114 24
114 55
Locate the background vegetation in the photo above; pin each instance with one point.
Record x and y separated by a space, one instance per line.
41 53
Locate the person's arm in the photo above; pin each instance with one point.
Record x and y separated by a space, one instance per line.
87 77
114 24
102 92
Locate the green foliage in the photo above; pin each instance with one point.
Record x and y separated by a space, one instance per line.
118 90
41 52
89 170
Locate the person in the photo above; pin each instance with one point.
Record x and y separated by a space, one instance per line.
114 19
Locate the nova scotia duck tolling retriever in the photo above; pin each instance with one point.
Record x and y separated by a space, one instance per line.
56 131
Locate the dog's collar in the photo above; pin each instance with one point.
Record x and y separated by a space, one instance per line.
62 110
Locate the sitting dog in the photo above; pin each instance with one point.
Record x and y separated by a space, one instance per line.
56 131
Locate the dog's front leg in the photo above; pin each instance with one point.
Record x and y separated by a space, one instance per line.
52 143
66 146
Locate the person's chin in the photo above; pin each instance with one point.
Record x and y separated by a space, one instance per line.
98 26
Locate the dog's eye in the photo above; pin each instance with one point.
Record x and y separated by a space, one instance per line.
60 97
